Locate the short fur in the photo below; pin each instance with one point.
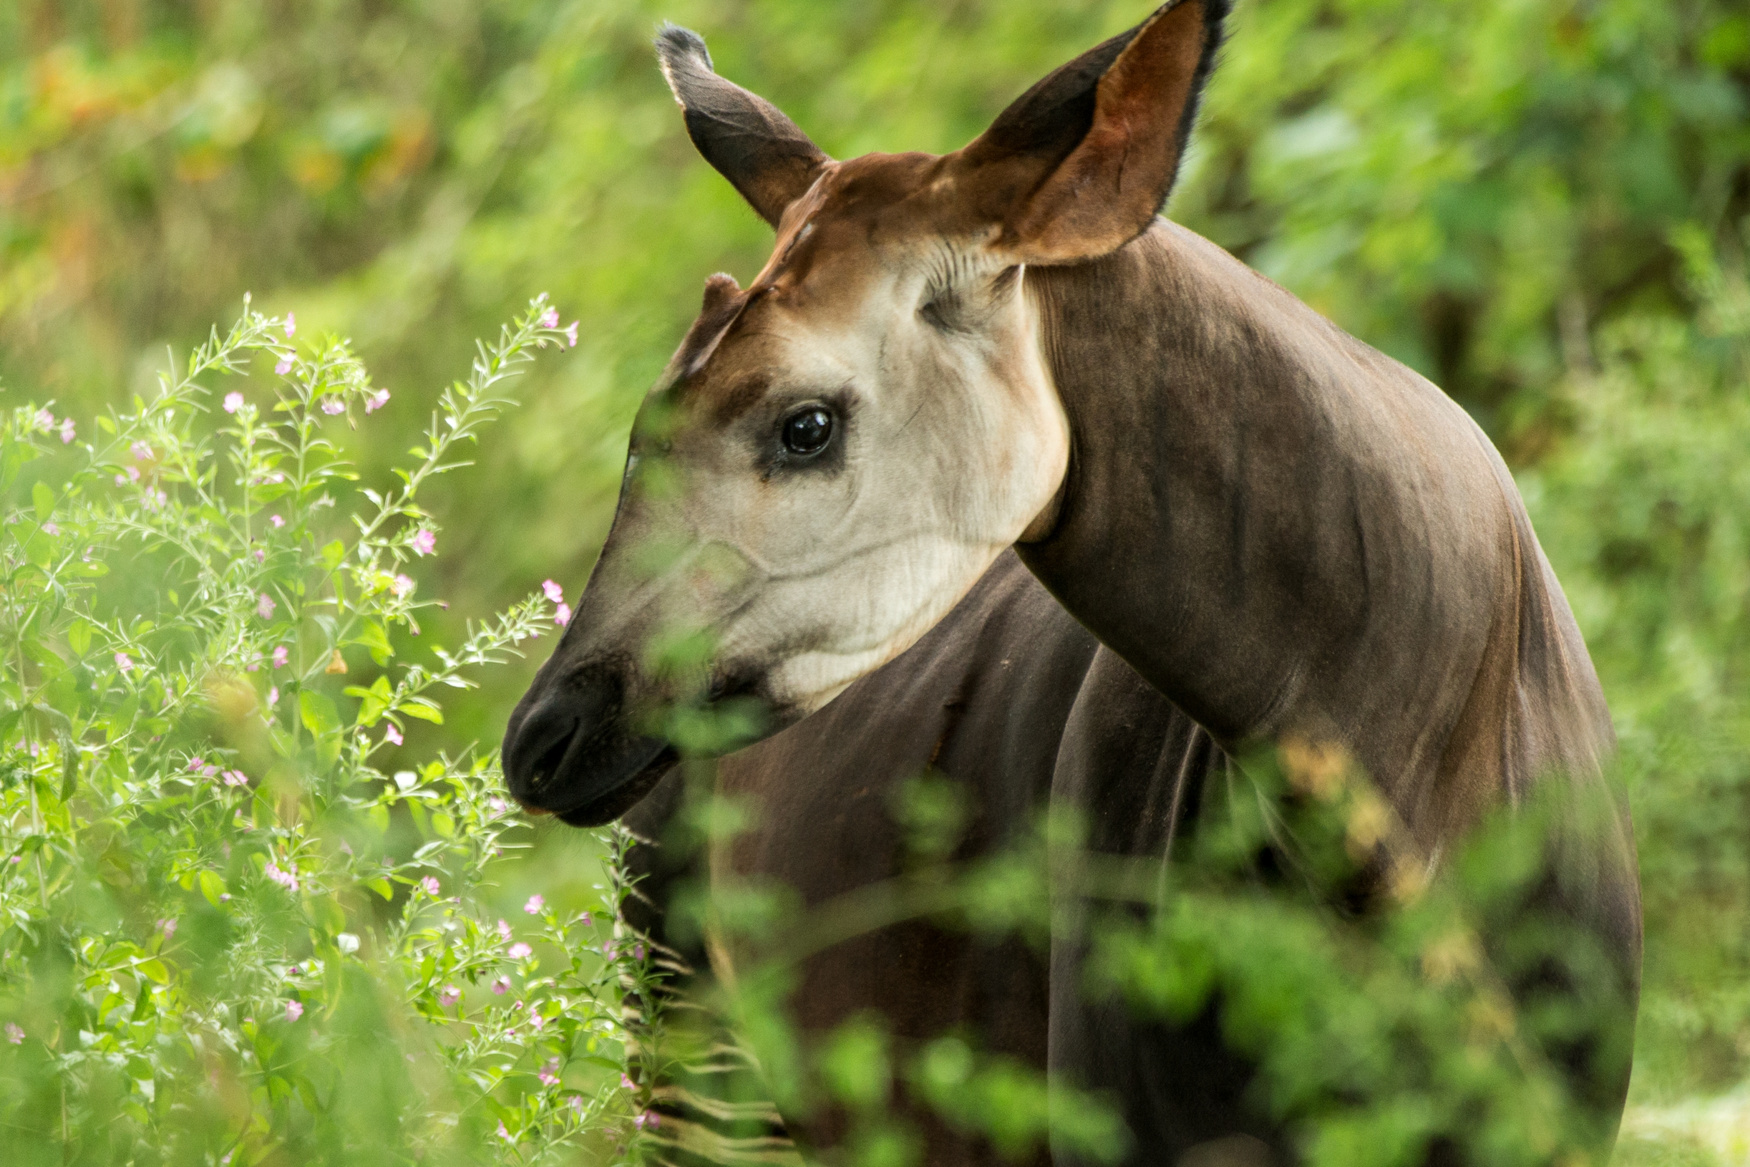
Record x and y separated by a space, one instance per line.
1266 524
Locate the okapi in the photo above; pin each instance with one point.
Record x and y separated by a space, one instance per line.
1267 530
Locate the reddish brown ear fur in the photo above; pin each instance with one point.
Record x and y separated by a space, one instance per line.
1107 188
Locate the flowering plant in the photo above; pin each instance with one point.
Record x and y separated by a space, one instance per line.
238 922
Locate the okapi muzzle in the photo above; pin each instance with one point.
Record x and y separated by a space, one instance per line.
571 747
596 729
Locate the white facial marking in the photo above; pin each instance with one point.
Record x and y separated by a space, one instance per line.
950 439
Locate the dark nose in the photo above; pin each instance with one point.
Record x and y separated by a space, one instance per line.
548 722
535 742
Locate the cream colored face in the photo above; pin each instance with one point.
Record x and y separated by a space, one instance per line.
919 359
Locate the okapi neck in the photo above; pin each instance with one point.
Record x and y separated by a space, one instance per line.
1281 529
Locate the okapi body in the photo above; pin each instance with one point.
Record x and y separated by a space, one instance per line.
1264 523
1019 707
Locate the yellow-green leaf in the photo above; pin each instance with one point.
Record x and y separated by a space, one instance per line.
424 710
212 887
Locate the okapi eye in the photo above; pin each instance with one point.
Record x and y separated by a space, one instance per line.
807 431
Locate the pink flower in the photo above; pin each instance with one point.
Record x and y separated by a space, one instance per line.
66 430
535 904
275 521
503 930
586 920
498 805
45 420
195 763
280 657
124 663
571 334
253 663
401 585
273 695
260 555
376 400
536 1021
562 615
449 996
141 451
291 324
648 1118
431 886
638 952
284 365
51 529
14 1034
294 1010
549 1074
168 927
518 950
391 735
133 473
333 405
286 879
549 318
626 1083
501 986
504 1134
425 542
554 592
233 402
265 606
237 778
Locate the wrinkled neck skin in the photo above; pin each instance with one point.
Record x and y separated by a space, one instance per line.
1287 532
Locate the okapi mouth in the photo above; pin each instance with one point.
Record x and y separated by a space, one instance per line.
568 751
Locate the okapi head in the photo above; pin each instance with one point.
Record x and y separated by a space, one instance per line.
837 452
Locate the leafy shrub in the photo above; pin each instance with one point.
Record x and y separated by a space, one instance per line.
241 923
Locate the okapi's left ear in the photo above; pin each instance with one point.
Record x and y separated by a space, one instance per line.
1081 163
748 139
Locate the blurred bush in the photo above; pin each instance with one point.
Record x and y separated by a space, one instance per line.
228 934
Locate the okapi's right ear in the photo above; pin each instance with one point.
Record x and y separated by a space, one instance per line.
1081 163
746 137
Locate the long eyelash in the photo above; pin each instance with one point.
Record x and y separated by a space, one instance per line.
952 268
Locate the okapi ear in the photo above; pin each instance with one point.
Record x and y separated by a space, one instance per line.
746 137
1081 163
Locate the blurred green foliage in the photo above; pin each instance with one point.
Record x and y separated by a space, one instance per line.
1539 203
229 933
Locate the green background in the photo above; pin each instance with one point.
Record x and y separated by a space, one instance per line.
1538 203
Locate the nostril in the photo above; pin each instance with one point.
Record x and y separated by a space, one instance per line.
547 764
537 747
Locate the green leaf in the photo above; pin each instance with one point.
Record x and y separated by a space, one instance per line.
380 886
333 553
376 639
44 500
79 637
317 712
212 886
424 710
154 969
